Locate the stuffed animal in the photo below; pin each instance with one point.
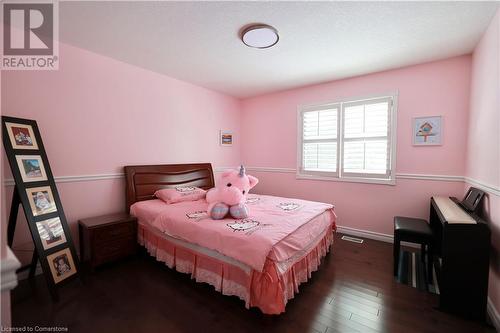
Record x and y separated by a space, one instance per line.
229 196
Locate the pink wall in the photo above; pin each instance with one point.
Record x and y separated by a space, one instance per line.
437 88
97 114
483 154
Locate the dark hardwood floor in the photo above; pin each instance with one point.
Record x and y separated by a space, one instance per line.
354 291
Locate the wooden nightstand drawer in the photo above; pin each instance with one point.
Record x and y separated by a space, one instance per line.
105 234
113 250
107 238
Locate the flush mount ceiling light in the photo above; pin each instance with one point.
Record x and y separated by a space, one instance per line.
260 36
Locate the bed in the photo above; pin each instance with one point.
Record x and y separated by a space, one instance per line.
261 260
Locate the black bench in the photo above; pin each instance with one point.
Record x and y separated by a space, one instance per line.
408 229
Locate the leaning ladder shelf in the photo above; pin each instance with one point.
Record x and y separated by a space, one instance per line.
36 191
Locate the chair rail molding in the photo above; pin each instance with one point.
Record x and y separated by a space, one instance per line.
489 188
417 176
77 178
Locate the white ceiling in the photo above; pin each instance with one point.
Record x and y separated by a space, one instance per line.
319 41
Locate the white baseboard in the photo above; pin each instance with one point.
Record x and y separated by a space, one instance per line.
493 314
371 235
365 234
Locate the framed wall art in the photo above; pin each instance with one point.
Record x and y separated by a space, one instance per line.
226 138
427 131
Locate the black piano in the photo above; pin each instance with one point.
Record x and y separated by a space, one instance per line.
461 261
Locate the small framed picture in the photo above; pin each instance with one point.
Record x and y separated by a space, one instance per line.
51 233
226 138
61 265
21 136
427 131
41 200
31 168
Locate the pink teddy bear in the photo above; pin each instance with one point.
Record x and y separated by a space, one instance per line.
229 195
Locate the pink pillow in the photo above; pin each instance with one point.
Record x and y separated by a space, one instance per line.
181 193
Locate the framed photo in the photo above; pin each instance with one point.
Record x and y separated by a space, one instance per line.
226 138
41 200
51 233
21 136
61 265
31 168
427 131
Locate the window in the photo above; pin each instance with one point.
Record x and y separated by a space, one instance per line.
352 140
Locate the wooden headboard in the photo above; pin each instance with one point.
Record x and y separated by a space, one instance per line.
144 180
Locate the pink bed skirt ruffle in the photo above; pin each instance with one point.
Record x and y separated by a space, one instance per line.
269 290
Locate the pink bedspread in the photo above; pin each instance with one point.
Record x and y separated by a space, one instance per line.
269 290
250 240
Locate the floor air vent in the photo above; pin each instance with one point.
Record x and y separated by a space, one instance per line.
352 239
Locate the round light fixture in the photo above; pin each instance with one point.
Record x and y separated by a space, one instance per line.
260 36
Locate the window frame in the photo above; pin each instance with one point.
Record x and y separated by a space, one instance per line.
321 107
340 175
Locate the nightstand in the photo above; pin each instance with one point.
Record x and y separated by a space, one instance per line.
107 238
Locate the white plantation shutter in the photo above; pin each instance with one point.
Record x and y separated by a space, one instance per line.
350 140
366 138
319 138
